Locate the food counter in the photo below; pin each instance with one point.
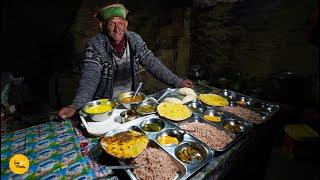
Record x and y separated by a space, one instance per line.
252 144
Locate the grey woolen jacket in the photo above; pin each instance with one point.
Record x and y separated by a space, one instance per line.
97 73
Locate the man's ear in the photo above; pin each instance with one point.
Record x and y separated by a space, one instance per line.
126 24
101 26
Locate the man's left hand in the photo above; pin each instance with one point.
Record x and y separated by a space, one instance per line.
186 83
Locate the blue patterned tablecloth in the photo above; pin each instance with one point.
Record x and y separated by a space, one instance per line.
52 149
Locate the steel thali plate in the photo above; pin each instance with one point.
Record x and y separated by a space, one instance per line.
186 169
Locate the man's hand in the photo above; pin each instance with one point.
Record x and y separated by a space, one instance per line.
67 112
186 83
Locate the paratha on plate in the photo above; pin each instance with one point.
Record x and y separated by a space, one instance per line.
174 111
123 145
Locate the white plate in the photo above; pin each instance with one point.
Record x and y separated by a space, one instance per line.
102 127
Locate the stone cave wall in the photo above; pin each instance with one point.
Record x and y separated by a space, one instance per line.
253 39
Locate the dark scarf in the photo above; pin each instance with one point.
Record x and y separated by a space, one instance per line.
119 47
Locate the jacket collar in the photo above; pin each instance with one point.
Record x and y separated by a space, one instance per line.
131 43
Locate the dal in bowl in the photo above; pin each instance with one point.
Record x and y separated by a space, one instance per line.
99 110
126 100
147 107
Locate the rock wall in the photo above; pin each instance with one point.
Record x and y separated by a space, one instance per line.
254 38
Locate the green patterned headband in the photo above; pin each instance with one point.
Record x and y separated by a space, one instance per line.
106 13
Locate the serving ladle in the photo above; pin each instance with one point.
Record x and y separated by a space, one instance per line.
168 90
139 87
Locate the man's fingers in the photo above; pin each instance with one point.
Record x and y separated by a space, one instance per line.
189 83
186 83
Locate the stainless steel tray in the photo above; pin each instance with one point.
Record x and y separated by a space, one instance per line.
185 169
264 108
254 103
199 109
225 119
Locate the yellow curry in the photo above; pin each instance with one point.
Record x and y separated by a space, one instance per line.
212 118
98 109
168 140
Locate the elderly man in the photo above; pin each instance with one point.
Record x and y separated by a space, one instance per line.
112 59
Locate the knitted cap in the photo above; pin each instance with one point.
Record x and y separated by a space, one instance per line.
110 11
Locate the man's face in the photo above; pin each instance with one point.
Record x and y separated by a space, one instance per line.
116 28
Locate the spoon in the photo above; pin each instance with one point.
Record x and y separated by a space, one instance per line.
184 131
140 85
168 90
123 167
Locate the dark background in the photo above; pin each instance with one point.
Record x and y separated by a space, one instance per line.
262 48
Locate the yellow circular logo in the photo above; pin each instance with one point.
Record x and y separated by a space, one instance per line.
19 164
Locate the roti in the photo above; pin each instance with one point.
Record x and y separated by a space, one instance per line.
213 100
123 145
174 111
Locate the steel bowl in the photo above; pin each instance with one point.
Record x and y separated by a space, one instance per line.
213 112
101 116
265 107
229 94
147 103
196 107
170 132
152 125
128 115
235 126
130 105
191 152
245 101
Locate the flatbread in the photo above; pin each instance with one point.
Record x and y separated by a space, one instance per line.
173 100
213 100
123 145
187 91
174 111
189 98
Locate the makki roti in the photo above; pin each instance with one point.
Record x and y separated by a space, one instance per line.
213 100
174 111
123 145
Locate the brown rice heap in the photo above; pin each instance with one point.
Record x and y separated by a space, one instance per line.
155 164
212 136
